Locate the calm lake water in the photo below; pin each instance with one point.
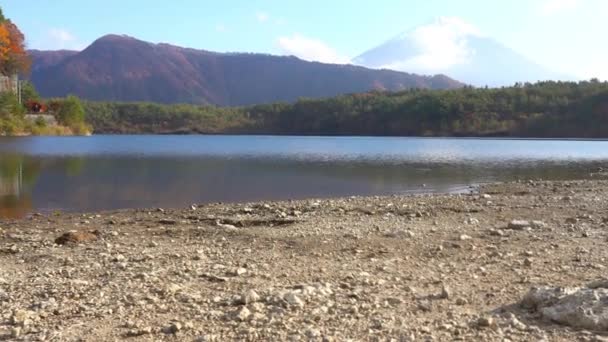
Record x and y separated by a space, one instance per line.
42 174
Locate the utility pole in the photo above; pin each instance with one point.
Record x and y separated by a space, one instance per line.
20 177
19 87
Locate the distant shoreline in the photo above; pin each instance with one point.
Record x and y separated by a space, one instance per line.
541 110
23 135
456 137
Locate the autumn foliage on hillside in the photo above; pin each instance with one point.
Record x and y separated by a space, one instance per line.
13 55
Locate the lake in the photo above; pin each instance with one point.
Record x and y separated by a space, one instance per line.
77 174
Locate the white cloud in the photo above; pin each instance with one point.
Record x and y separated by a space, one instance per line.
221 28
61 35
58 39
262 17
440 45
551 7
310 49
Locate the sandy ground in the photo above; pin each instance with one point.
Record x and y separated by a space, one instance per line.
413 268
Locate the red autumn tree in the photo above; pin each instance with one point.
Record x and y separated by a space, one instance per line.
13 55
5 42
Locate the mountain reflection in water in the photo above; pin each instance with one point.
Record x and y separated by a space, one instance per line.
104 172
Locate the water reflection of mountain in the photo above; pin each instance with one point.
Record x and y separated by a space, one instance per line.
124 182
11 180
10 186
13 202
100 182
17 175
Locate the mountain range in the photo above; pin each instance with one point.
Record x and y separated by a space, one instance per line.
453 47
122 68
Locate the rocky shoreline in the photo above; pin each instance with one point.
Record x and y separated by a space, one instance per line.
519 261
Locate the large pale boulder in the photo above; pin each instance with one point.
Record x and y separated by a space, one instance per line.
578 307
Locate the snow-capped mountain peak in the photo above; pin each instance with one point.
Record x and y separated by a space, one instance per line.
451 46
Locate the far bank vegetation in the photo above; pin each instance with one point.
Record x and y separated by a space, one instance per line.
545 110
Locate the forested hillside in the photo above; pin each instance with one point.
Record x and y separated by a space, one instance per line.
121 68
546 109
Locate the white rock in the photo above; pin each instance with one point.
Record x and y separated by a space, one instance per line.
472 221
4 295
140 332
585 308
228 227
257 307
485 322
250 297
243 314
519 224
312 333
538 224
516 323
16 332
21 317
292 299
445 292
119 258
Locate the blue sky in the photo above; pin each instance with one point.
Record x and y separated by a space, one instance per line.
564 35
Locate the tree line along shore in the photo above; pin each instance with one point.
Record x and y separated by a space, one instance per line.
544 109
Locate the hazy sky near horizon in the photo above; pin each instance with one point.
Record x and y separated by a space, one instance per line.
567 36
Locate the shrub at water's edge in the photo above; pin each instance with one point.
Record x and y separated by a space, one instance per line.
57 117
71 114
11 115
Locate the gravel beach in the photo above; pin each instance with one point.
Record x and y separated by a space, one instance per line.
522 261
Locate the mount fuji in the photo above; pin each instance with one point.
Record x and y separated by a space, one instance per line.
455 48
